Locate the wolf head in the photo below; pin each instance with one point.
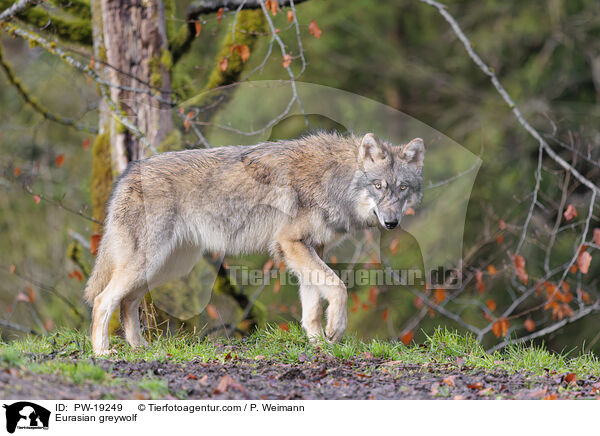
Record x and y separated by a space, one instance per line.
390 179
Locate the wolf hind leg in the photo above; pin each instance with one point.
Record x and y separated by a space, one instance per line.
130 320
122 284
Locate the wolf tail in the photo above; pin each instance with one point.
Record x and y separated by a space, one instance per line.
101 275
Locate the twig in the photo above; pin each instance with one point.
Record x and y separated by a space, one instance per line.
18 327
14 9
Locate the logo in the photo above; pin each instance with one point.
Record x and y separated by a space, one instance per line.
26 415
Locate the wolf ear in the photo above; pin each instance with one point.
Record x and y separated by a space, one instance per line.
414 153
370 150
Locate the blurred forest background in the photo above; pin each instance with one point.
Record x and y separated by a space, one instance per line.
401 53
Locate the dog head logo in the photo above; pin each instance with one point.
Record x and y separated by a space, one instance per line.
26 415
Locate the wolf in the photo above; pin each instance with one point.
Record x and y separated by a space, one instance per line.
287 198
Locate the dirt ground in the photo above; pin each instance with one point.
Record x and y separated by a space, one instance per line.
323 377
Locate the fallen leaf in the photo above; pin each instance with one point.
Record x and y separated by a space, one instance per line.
225 383
259 357
550 397
570 212
287 60
459 397
368 355
449 380
475 386
583 262
571 378
190 377
314 29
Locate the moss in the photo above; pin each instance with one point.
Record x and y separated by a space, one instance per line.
101 178
77 30
78 8
74 253
250 24
166 59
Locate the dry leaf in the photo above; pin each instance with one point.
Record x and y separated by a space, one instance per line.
491 304
597 236
243 51
59 160
219 15
37 199
86 143
583 262
571 378
373 291
501 224
439 295
529 325
314 29
385 315
491 269
95 243
284 326
290 16
449 380
409 211
226 383
287 60
407 337
519 263
17 171
198 28
570 212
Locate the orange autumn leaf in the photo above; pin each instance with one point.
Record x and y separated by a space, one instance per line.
76 274
12 268
487 316
479 279
59 160
95 243
287 60
597 236
519 263
407 337
570 212
31 295
92 63
219 15
573 269
268 265
439 295
529 325
409 211
17 171
583 262
492 270
37 199
500 327
500 239
284 326
491 304
571 378
476 386
585 297
223 64
86 143
373 291
501 224
243 51
385 315
290 16
314 29
212 311
198 28
273 6
186 125
365 307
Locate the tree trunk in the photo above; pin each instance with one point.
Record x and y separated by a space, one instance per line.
133 43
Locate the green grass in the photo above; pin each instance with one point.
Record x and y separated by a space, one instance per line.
273 344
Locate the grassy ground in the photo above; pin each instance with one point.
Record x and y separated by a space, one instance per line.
447 365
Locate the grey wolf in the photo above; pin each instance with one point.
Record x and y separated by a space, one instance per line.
286 198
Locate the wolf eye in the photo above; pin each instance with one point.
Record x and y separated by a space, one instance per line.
403 187
377 185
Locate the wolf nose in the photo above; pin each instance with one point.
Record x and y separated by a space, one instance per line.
391 224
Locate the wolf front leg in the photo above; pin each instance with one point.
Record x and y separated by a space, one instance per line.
317 281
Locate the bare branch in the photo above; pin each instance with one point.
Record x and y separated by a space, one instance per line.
14 9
